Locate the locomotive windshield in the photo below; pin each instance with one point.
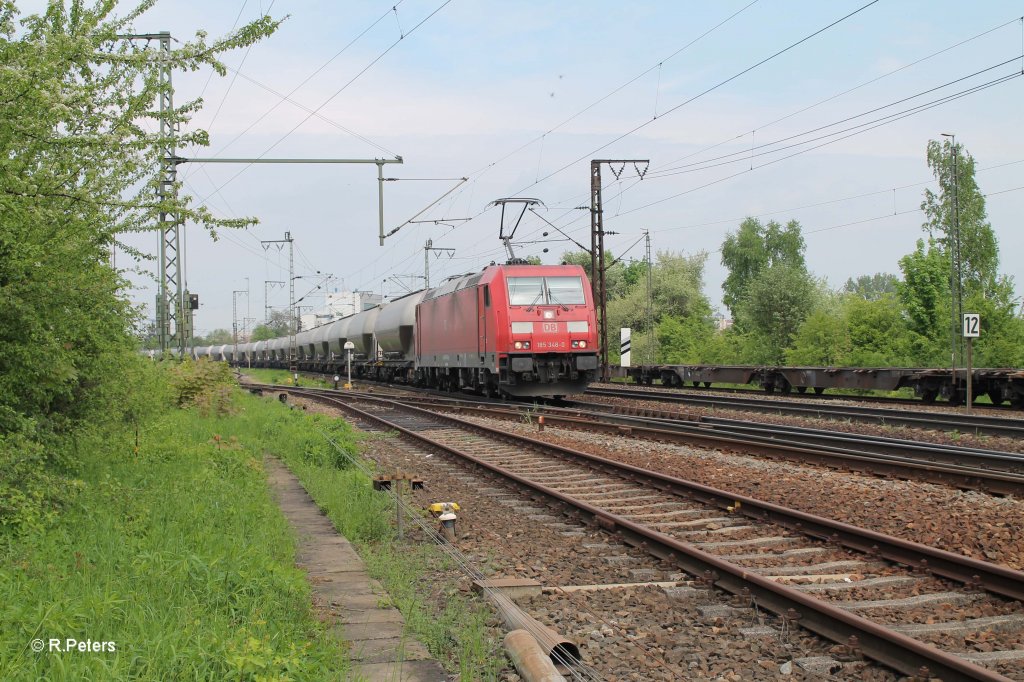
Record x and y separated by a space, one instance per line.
545 291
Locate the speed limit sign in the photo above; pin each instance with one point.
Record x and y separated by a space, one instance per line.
972 325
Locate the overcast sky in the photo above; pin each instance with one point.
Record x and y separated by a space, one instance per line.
519 96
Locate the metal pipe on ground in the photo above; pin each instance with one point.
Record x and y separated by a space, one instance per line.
528 657
558 648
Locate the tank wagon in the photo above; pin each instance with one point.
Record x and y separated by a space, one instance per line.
520 330
1000 385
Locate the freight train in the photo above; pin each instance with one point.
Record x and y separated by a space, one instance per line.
1000 385
516 329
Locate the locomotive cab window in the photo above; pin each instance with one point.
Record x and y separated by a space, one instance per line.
487 295
545 291
565 290
525 290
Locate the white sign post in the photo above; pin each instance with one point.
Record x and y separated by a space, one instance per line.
971 331
625 354
348 349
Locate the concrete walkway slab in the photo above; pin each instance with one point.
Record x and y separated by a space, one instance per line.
380 648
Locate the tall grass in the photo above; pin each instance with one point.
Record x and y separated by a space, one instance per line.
176 554
284 377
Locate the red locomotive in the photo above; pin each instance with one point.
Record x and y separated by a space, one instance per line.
519 329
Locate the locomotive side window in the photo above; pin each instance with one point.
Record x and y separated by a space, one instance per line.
487 295
565 290
525 290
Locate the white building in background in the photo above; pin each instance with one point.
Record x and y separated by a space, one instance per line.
344 303
339 304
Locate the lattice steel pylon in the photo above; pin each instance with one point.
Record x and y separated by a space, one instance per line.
173 316
173 329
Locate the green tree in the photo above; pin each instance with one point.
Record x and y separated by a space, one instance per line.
872 287
78 168
217 336
678 301
957 217
822 340
279 324
879 336
776 303
958 234
924 293
755 247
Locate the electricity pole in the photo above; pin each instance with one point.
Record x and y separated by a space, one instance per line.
234 318
426 259
955 278
597 267
291 295
651 353
267 283
173 316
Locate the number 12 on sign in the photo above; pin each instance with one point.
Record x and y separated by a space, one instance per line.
971 325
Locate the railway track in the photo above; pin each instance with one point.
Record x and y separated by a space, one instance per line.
873 594
813 396
990 471
979 424
966 468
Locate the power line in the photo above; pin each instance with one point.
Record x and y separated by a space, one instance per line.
747 153
304 81
477 174
690 100
965 93
338 92
701 94
849 90
658 170
615 91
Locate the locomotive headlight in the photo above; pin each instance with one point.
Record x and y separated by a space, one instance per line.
579 344
526 345
518 345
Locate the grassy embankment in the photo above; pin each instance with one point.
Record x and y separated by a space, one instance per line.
452 626
178 555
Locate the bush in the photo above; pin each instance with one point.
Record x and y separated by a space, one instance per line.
203 384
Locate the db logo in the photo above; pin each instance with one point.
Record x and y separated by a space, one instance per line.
550 327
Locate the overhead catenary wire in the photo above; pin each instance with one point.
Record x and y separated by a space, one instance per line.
965 93
331 98
747 154
693 98
842 93
303 83
701 94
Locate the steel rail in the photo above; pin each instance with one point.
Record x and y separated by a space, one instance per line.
996 426
937 464
951 474
887 646
811 396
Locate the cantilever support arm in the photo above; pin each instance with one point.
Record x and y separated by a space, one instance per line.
380 173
